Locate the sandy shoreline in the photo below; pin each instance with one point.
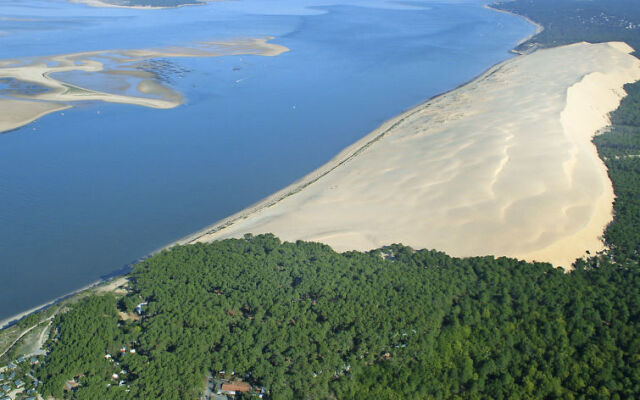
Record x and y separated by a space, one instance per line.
462 174
123 66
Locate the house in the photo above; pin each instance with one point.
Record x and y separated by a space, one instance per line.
34 360
11 365
139 308
5 388
235 387
18 383
21 360
11 376
1 377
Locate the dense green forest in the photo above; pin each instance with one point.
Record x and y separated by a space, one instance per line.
620 150
571 21
306 322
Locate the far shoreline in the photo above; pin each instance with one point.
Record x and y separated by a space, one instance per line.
539 27
102 4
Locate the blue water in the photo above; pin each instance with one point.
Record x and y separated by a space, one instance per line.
85 192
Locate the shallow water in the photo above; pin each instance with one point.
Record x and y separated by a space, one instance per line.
88 190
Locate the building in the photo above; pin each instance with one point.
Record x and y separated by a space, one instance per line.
235 387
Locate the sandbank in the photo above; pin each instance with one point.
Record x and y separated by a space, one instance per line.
121 65
503 166
17 113
103 4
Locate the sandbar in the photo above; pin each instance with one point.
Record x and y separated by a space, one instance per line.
112 4
119 65
503 166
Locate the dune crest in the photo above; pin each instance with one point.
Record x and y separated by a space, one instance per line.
503 165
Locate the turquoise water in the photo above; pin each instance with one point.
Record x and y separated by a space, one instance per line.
85 192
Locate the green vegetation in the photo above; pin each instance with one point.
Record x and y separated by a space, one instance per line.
571 21
307 322
620 149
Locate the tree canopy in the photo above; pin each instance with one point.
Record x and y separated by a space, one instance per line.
307 322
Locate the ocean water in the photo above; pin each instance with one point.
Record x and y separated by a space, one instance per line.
87 191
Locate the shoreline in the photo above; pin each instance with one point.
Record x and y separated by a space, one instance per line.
11 321
341 158
539 27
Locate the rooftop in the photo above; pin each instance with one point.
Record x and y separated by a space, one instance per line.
236 387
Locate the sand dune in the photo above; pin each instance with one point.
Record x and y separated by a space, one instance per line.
121 66
504 166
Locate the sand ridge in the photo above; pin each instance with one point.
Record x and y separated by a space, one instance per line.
123 66
503 165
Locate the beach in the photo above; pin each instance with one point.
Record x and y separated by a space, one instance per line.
122 66
503 166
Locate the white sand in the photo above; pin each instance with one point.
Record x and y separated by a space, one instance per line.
23 108
503 166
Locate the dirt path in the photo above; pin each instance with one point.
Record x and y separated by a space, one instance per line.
23 334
